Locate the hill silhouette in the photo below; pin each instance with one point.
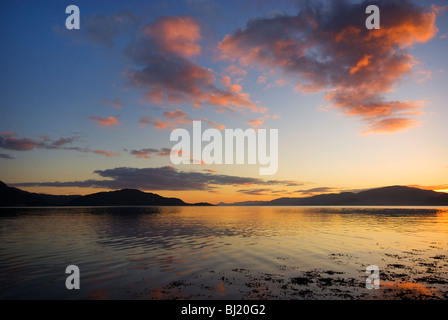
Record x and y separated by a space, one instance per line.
11 197
125 197
386 196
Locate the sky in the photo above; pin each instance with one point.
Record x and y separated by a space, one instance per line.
92 109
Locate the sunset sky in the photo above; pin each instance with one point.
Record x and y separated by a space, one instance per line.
92 110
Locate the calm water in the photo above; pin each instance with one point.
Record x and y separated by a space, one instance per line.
224 252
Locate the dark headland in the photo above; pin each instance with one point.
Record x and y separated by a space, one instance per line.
386 196
13 197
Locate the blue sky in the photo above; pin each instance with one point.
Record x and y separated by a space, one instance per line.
56 82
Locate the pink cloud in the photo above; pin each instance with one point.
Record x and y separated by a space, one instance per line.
255 123
356 67
178 35
107 153
147 153
156 123
109 122
144 153
178 116
12 143
164 70
162 125
391 125
164 152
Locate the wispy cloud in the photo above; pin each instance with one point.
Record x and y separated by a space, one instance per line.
174 119
9 141
107 153
109 122
163 178
12 143
390 125
255 192
148 153
316 191
6 156
116 103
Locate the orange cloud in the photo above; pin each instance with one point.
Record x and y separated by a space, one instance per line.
11 143
404 31
177 35
255 122
162 125
178 116
232 100
109 122
164 70
390 126
356 67
142 155
226 81
364 62
146 153
165 152
175 118
107 153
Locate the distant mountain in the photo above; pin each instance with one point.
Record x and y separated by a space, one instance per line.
387 196
11 197
125 197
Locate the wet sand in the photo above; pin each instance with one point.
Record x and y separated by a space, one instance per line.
425 281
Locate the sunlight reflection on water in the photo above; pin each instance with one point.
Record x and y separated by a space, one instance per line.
220 252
